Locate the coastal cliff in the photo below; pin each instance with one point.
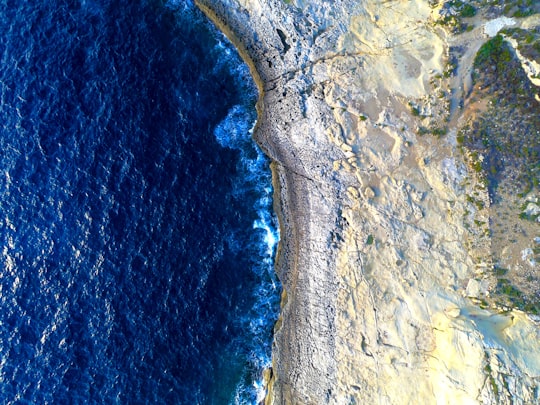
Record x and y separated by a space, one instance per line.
386 254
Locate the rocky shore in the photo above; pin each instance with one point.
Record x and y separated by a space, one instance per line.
384 259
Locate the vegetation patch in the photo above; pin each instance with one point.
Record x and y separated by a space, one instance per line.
515 298
528 41
500 271
502 144
415 110
491 8
520 8
528 217
507 134
495 52
467 11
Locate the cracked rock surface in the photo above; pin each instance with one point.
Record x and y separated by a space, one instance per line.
381 274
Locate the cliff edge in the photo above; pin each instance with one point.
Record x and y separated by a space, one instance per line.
385 256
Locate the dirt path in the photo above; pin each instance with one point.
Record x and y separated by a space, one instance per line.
461 82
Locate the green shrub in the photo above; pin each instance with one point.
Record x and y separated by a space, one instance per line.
523 13
468 11
489 51
439 131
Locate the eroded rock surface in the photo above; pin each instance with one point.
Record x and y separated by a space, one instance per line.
383 252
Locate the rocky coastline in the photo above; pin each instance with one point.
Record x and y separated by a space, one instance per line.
382 274
306 205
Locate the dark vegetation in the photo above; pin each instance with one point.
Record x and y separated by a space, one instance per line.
509 8
519 8
453 13
528 40
508 133
516 298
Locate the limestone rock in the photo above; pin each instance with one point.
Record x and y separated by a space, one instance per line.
375 256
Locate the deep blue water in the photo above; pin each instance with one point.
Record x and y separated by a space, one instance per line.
136 239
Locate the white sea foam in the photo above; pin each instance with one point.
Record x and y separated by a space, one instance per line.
232 132
272 234
235 133
180 5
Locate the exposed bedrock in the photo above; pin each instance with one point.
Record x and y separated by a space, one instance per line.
382 275
291 129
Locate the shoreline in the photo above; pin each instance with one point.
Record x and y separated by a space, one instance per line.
307 198
278 186
381 264
242 51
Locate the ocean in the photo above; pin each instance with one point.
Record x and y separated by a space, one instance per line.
136 224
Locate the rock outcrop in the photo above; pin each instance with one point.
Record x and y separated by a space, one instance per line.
384 257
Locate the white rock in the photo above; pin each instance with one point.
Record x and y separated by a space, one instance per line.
473 288
532 209
369 193
492 28
527 255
